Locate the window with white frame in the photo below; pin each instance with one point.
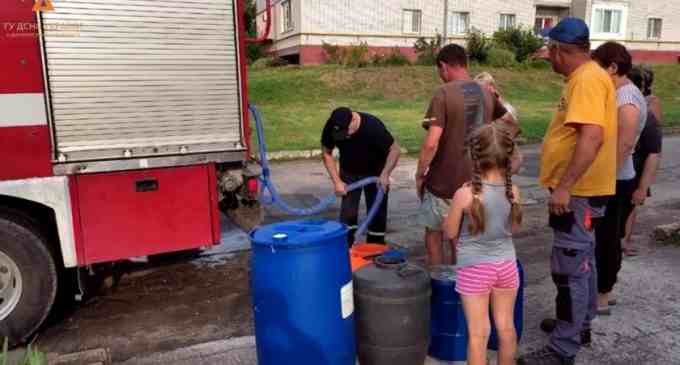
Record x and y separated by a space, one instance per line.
459 22
507 21
286 16
609 21
654 26
542 23
412 20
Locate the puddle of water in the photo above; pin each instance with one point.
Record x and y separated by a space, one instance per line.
233 240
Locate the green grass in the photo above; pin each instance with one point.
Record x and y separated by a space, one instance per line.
32 356
296 101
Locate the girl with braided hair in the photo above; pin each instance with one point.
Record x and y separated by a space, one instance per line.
483 216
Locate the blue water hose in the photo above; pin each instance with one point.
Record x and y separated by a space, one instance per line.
274 197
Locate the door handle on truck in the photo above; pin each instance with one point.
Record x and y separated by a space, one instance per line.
146 185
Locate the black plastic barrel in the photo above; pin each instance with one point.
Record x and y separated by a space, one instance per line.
392 302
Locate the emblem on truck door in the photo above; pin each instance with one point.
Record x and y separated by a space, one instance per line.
43 5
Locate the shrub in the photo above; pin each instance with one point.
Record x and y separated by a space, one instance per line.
352 56
333 52
478 46
395 58
356 56
499 57
521 41
427 50
538 64
261 63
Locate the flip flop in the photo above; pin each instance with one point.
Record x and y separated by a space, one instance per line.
631 252
606 311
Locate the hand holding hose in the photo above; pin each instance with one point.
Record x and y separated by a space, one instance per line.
340 188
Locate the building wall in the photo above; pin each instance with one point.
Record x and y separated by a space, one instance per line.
642 10
379 23
485 15
638 14
663 50
579 8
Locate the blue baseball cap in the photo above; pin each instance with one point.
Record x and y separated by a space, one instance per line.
570 30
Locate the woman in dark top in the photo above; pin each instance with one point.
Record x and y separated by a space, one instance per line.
647 156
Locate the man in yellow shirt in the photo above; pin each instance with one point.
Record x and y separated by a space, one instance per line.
578 165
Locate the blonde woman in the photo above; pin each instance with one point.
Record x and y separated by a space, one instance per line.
486 79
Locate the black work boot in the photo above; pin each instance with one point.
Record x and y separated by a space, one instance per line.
545 356
586 337
548 325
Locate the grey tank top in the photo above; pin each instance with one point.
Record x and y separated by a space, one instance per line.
495 243
630 94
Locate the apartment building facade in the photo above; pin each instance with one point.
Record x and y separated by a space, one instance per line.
300 27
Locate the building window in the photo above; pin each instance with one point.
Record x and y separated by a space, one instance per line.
412 20
507 21
286 16
654 26
459 23
543 23
608 21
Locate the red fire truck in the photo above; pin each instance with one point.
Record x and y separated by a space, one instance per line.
123 130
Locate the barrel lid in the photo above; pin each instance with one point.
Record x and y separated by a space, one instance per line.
301 233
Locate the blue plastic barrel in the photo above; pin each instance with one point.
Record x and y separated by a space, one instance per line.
302 292
448 328
449 335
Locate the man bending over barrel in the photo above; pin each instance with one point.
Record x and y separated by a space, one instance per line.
367 149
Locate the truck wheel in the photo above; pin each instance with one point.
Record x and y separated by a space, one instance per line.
28 280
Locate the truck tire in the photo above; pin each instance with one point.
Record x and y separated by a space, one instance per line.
28 279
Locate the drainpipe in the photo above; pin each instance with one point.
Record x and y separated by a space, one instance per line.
268 25
445 32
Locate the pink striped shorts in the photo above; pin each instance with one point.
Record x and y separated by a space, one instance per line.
480 279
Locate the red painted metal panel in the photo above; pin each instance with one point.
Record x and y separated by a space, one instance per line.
77 224
25 152
144 212
214 204
244 75
20 63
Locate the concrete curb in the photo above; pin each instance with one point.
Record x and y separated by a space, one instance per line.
233 351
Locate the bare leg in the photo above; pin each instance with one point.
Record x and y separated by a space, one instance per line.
476 309
435 248
503 307
628 248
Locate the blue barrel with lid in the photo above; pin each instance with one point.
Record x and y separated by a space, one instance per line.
302 293
448 328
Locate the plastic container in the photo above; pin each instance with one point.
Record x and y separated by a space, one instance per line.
362 254
303 294
392 312
448 331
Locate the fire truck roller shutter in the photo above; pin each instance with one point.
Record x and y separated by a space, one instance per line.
142 78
